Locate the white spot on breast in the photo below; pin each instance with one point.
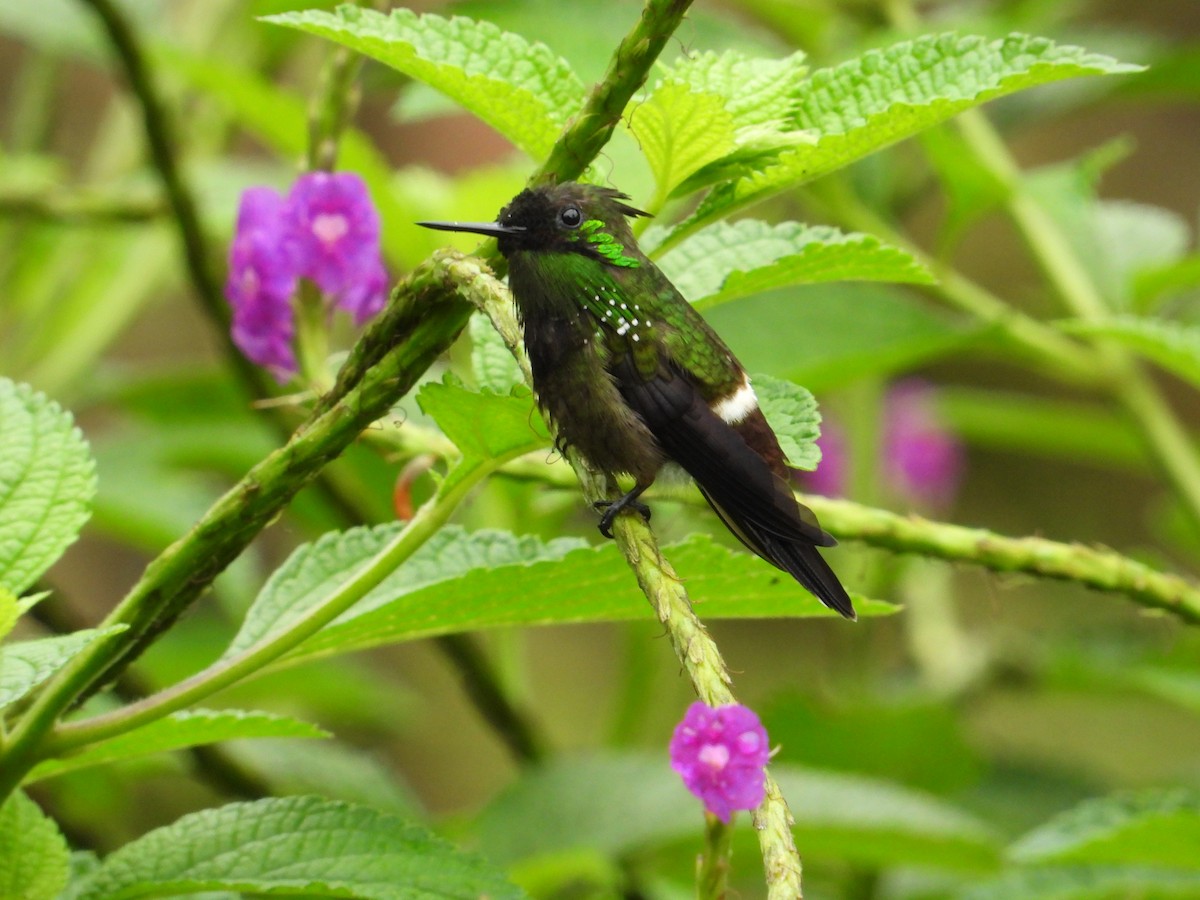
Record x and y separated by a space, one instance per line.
734 408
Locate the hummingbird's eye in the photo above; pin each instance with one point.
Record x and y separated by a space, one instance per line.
571 217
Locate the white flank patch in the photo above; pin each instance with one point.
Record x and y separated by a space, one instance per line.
734 408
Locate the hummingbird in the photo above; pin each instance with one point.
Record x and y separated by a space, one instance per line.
635 379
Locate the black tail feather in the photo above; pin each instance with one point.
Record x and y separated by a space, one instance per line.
755 504
795 555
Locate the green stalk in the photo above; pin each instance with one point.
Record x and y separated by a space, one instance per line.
1060 356
224 673
712 868
1164 436
1097 569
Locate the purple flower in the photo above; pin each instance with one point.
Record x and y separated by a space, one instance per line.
829 477
262 279
325 230
335 229
923 461
368 296
721 754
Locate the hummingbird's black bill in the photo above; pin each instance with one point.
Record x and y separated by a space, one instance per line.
491 229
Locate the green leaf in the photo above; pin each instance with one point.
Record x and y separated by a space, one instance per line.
726 260
971 189
1135 237
679 131
878 823
1154 283
331 769
315 570
1174 346
294 846
791 411
760 96
757 92
493 363
1154 828
886 95
47 480
829 335
623 803
34 860
463 581
10 611
485 425
177 732
1115 240
26 664
1087 883
523 90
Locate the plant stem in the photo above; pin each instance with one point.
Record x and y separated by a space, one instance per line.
1059 355
693 646
429 518
1164 436
427 315
332 106
1098 569
712 869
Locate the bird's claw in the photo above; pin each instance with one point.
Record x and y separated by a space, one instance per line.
613 508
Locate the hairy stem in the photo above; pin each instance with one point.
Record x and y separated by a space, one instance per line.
1098 569
693 646
591 129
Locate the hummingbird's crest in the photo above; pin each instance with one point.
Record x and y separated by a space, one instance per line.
571 217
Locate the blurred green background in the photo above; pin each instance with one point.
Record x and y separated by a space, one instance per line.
1011 697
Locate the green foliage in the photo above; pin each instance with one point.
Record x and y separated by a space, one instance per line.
791 411
492 363
727 262
1153 829
522 90
1172 345
488 429
26 664
885 95
826 337
987 709
33 864
466 581
179 731
46 484
9 612
573 801
296 845
681 130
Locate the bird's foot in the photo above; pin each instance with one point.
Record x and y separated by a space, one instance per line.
613 508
